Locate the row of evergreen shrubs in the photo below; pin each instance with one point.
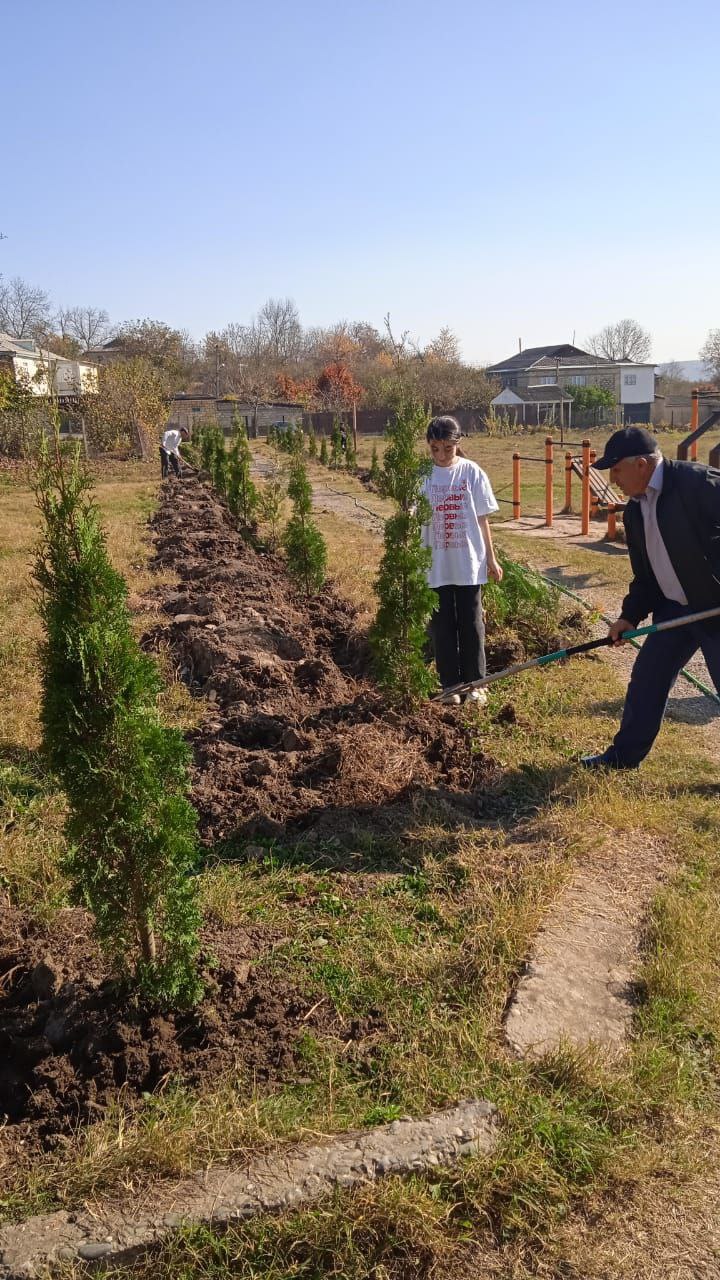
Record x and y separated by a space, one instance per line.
131 829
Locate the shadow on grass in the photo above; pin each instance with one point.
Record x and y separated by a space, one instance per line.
399 836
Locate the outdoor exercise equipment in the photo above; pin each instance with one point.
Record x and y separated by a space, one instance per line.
558 654
688 448
594 488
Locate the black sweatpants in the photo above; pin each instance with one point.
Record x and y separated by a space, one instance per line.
168 460
458 635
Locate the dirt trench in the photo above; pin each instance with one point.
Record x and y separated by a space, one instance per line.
298 739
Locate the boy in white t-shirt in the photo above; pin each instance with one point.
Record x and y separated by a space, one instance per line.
463 557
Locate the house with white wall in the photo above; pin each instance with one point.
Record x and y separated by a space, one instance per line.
43 373
564 365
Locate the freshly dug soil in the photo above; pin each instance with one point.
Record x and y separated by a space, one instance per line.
71 1044
298 738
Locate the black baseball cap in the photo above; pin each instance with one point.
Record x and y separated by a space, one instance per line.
629 442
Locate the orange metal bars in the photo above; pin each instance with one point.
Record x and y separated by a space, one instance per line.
585 509
567 509
612 523
594 502
548 482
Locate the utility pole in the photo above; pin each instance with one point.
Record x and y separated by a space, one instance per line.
217 370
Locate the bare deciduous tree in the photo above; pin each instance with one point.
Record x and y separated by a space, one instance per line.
88 326
710 354
24 310
624 340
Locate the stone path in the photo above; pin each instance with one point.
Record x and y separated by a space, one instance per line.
579 982
119 1232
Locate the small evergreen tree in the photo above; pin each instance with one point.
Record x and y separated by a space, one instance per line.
398 635
350 456
207 447
272 435
219 463
131 829
312 443
303 542
375 472
323 458
270 505
241 492
335 444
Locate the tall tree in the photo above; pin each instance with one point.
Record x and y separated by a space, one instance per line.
710 354
87 326
624 340
25 311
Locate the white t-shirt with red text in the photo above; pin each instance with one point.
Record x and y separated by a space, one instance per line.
458 495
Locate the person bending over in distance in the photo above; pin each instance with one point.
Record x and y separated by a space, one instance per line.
463 557
170 450
672 522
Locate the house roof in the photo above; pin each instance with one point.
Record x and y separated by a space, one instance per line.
532 395
21 347
547 357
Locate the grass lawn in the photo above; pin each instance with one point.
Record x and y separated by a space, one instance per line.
436 946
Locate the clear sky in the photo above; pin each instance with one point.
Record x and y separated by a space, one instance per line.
513 170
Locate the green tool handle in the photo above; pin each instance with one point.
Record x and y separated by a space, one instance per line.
683 621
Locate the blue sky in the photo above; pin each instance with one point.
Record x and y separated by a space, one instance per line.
516 170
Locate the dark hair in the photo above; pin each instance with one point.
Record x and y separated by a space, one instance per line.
445 428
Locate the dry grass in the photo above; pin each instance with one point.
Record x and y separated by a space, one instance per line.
595 1159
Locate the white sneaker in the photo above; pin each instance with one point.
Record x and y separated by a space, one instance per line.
478 696
450 699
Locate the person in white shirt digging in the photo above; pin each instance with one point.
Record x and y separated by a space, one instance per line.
170 450
463 558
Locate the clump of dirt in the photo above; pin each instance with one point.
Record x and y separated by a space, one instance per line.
297 728
71 1043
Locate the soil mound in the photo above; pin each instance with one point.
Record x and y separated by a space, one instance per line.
71 1044
298 730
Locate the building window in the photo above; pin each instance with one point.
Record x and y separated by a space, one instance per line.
630 379
577 380
546 382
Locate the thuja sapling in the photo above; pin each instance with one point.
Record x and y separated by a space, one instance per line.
131 829
375 472
323 456
302 540
336 444
241 492
398 635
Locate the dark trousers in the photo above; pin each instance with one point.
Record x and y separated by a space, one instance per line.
653 676
168 460
458 635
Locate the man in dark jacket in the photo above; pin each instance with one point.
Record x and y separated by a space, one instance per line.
672 522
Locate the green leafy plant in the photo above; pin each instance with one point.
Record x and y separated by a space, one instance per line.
270 499
220 463
399 633
131 829
350 456
312 443
303 542
323 456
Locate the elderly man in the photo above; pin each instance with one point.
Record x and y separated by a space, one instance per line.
672 521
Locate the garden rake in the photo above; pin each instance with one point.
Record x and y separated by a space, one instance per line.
558 654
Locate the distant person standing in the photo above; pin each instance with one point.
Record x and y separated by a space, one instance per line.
170 450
